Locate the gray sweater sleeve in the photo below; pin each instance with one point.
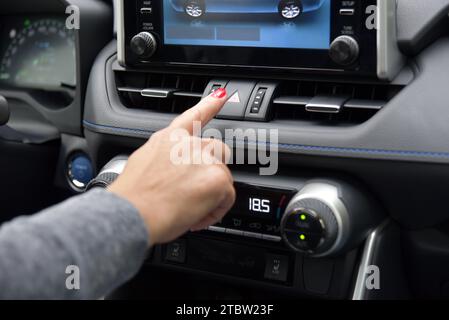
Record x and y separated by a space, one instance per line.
98 234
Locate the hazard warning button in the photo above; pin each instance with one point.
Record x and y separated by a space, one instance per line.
239 93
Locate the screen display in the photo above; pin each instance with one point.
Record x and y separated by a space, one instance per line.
37 52
260 202
289 24
258 209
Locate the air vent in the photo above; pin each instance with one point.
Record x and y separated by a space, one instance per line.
322 103
329 103
165 93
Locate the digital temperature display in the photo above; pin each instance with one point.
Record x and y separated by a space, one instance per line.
259 205
261 202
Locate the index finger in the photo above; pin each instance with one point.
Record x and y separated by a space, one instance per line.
203 112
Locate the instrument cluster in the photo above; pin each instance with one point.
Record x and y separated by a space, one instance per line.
37 52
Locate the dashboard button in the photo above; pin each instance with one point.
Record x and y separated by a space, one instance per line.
147 10
214 85
258 100
347 12
304 241
276 267
259 106
176 251
255 226
80 171
272 229
303 221
233 222
239 93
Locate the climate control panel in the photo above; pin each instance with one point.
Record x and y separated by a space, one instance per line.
316 217
319 218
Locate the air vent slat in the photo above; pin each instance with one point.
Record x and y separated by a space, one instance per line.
350 104
295 101
157 93
365 104
175 93
167 93
129 90
188 94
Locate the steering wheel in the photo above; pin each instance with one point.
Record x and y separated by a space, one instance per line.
4 111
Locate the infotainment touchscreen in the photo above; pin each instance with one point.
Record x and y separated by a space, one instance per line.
318 36
288 24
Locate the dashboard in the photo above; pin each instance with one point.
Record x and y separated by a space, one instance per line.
348 110
355 90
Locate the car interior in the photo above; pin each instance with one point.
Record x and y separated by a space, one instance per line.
349 100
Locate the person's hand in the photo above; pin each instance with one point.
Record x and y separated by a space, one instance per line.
174 198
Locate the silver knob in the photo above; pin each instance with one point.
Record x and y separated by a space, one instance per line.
326 218
344 50
144 44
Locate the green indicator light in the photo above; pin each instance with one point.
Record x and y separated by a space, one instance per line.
302 237
303 217
27 23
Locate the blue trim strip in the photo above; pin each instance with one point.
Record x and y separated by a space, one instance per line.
434 155
117 129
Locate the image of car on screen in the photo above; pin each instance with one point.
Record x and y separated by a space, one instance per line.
287 9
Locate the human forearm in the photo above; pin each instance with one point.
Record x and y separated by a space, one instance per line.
100 233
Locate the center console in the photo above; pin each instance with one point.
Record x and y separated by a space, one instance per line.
276 223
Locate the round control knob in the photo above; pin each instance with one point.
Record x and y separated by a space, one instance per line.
144 44
344 50
327 218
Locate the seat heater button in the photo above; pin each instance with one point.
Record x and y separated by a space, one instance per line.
176 251
276 267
